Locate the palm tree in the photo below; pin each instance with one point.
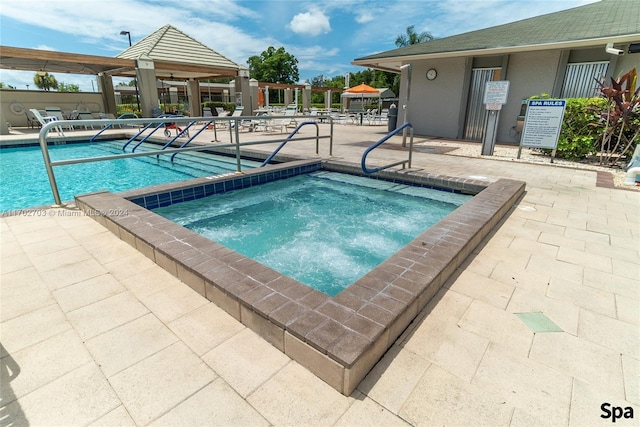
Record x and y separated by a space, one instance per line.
413 38
45 81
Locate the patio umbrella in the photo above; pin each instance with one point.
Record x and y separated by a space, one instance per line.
363 89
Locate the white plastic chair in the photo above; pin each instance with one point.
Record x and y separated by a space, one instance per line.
57 112
43 120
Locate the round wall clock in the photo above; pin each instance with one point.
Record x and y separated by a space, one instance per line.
432 74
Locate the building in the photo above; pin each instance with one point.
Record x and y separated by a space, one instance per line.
559 54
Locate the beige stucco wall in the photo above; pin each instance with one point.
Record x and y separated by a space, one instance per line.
626 62
528 74
434 105
13 103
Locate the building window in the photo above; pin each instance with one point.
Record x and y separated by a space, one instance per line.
580 79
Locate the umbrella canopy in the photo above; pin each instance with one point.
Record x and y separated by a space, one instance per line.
362 89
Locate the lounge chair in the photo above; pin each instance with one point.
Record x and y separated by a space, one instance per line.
236 113
43 120
109 116
287 121
32 121
57 112
86 116
221 124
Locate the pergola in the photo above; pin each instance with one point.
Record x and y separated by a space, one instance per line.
166 53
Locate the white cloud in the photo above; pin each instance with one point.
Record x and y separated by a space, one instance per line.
311 23
364 17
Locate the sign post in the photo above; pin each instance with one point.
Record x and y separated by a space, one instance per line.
495 95
542 124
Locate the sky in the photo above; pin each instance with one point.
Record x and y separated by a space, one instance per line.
324 36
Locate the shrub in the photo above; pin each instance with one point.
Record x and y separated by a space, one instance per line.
579 134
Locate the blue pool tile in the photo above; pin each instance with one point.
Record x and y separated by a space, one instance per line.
164 198
198 192
188 194
163 203
176 196
151 202
218 187
209 189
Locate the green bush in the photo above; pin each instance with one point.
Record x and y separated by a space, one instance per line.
228 106
580 134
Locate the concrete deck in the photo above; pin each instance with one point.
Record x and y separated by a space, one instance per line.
94 333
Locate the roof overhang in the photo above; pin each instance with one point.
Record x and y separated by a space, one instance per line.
16 58
392 63
182 71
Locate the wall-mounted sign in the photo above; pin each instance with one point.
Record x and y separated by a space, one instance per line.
495 94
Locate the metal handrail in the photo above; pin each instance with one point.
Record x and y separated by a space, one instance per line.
204 126
133 138
44 132
158 126
377 144
288 138
120 117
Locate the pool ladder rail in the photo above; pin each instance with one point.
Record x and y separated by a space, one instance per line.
403 128
158 123
110 125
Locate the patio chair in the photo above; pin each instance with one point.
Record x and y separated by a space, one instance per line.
286 121
109 116
222 124
236 113
57 113
43 120
32 121
86 116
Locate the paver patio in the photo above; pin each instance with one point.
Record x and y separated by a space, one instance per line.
94 333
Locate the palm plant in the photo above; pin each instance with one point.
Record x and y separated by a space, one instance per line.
411 37
45 81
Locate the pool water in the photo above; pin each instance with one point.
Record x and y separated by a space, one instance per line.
24 182
323 229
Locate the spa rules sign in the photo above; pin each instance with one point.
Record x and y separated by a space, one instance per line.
542 123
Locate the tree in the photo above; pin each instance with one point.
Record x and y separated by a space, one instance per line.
412 37
317 81
68 87
274 66
45 81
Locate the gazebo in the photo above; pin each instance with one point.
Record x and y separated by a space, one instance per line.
165 53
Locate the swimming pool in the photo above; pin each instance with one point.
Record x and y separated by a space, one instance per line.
324 229
24 182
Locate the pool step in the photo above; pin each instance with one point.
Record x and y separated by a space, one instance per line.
187 162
